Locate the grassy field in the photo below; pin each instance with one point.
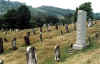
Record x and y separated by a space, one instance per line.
45 49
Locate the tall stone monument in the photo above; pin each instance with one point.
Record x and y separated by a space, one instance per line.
81 30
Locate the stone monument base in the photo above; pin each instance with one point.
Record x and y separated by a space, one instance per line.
78 46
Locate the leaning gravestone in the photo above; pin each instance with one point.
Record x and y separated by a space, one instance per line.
14 44
1 45
81 31
27 41
31 55
57 53
1 62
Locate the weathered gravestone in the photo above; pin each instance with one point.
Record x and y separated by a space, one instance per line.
81 31
14 44
1 45
57 53
31 55
27 41
1 62
66 28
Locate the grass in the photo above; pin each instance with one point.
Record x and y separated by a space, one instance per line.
45 49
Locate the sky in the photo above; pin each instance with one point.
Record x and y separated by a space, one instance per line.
66 4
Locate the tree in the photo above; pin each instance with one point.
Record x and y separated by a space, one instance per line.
24 16
87 7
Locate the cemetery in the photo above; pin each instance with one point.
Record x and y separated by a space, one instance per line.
77 42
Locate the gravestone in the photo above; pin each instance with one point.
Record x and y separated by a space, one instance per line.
81 31
61 32
31 55
41 29
66 28
14 44
1 62
28 34
41 39
5 40
56 26
27 41
1 45
57 53
89 22
33 31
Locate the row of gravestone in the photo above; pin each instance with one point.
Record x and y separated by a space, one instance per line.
31 56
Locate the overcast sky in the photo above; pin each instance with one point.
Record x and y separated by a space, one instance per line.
66 4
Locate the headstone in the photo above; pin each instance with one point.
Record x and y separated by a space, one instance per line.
61 32
81 31
5 40
33 31
66 28
28 34
41 29
57 53
89 23
14 44
41 39
56 27
1 45
31 55
1 62
27 41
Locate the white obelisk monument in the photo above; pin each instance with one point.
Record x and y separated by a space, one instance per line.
81 30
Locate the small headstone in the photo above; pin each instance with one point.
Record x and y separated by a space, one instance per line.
33 31
89 23
40 29
56 27
57 53
31 55
28 34
41 39
66 28
1 45
61 32
1 62
14 44
27 41
5 40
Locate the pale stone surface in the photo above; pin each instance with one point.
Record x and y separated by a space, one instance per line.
31 55
89 22
81 31
57 53
1 62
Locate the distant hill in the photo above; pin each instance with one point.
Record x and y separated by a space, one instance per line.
51 11
96 16
4 5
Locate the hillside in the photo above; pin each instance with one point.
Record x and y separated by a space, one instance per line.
51 11
5 5
45 49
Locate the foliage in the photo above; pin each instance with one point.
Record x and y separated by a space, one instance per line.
87 7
